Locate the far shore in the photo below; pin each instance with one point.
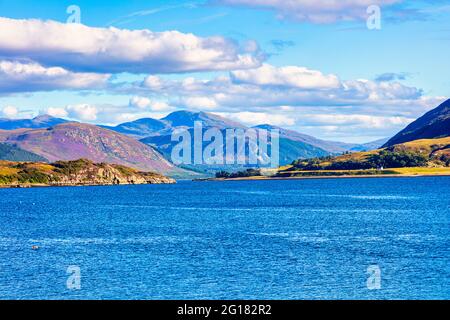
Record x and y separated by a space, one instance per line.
266 178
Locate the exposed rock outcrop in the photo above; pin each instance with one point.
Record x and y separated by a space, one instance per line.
73 173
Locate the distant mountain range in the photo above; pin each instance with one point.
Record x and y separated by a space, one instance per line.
434 124
146 145
147 127
57 139
42 121
293 145
326 145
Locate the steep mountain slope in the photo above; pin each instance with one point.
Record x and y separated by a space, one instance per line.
71 141
13 153
43 121
289 151
434 124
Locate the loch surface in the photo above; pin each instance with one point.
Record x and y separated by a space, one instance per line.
293 239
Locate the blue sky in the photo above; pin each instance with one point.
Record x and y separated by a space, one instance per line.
331 78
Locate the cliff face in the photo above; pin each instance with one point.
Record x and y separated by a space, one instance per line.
74 173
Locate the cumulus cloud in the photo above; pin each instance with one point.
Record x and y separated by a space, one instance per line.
363 121
315 11
109 114
77 47
145 103
289 76
199 103
84 112
318 104
18 76
256 118
10 111
270 86
140 102
57 112
159 106
391 76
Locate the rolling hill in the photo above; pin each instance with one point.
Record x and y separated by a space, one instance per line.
434 124
72 141
417 153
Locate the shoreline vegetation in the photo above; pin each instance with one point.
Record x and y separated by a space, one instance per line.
426 157
349 174
80 172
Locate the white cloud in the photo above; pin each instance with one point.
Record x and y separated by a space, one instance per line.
315 11
199 103
289 76
348 108
57 112
30 76
111 50
10 111
269 87
140 102
84 112
146 103
159 106
256 118
108 114
359 120
153 82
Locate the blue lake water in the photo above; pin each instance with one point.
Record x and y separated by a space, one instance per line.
296 239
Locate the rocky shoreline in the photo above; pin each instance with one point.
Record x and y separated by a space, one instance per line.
73 173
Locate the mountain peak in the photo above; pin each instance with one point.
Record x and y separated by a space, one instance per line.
433 124
39 122
185 118
43 117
